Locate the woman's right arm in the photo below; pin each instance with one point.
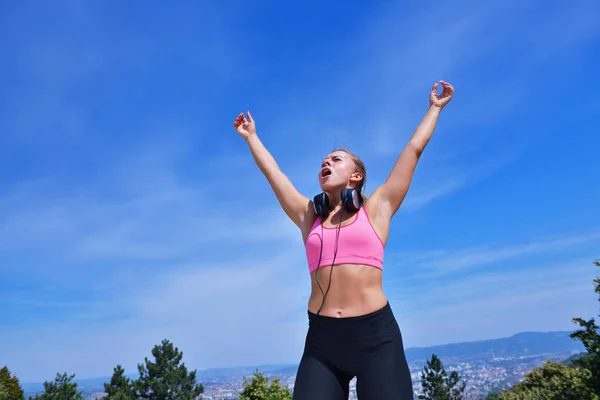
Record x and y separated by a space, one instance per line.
295 205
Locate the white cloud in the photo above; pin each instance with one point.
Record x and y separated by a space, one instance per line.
398 63
493 290
142 208
230 313
437 263
497 303
151 257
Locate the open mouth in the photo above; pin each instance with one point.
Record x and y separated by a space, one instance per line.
325 172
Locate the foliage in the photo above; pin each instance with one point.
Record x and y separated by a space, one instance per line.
120 387
166 378
438 385
576 379
61 389
552 381
589 335
10 389
493 396
259 389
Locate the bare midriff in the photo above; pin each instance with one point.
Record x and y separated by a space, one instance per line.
355 290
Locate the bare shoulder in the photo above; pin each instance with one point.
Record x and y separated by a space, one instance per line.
379 214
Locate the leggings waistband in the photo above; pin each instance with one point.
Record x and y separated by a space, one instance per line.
354 325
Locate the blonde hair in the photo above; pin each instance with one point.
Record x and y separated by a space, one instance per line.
360 167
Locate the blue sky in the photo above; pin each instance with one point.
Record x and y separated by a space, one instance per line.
131 211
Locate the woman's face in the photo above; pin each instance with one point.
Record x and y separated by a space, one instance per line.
337 171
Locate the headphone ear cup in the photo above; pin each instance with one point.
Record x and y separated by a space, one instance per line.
351 199
321 205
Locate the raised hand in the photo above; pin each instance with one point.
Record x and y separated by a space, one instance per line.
245 127
441 100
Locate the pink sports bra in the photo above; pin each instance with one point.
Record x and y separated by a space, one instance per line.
358 243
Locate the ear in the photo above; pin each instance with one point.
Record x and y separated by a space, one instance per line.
356 177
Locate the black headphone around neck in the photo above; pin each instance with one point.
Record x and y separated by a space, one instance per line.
352 201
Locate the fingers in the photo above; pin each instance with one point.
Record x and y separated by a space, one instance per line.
434 88
241 118
448 88
238 120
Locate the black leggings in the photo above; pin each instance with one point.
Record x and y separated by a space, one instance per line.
367 347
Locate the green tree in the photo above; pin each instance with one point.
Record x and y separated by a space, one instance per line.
589 335
166 378
120 387
552 381
61 389
10 388
438 385
493 396
258 388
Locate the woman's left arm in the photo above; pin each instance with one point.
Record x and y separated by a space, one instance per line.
390 195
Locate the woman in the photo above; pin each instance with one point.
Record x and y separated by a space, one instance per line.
352 330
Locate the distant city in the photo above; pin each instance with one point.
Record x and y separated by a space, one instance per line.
485 366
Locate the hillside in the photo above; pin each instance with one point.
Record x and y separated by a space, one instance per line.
519 345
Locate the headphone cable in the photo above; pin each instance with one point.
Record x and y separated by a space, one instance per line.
332 263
